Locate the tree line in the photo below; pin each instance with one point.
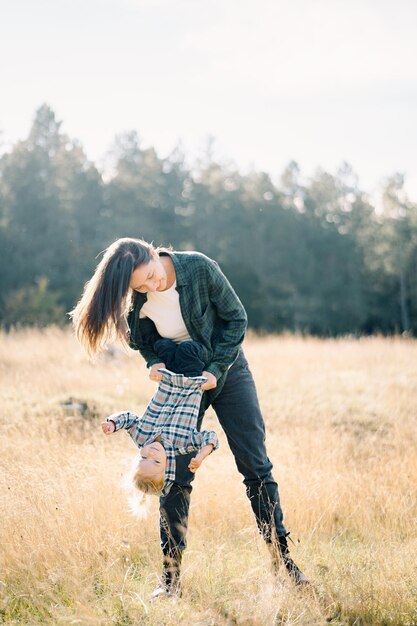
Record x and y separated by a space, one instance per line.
314 258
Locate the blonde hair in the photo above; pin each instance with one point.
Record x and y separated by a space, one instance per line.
148 484
139 487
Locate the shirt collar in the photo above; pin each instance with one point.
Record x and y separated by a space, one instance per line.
182 278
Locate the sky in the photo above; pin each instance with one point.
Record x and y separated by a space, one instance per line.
315 81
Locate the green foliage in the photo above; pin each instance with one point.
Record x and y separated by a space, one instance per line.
313 258
33 306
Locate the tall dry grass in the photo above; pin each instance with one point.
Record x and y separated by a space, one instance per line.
341 421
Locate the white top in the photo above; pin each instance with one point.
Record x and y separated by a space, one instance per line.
163 308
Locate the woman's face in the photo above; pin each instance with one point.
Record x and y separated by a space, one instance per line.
149 276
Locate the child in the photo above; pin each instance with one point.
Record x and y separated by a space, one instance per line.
169 424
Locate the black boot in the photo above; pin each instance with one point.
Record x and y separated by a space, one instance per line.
280 553
170 584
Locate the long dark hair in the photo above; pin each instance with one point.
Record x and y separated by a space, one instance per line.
100 315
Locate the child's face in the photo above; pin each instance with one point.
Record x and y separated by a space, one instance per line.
153 460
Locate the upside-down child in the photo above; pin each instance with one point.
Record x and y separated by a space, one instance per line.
168 426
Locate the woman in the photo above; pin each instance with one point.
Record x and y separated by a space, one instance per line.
143 294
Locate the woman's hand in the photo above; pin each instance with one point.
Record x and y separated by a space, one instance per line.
154 374
211 381
108 427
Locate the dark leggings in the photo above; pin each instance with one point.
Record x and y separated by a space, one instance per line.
239 414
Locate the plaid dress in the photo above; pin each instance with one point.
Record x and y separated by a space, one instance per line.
172 413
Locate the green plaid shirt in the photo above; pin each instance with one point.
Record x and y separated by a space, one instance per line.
212 312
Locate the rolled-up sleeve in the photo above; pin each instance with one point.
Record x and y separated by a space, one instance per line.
231 311
198 440
124 420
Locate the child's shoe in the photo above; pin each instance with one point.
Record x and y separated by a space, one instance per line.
170 584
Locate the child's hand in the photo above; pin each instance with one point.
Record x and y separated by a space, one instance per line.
195 464
199 458
108 427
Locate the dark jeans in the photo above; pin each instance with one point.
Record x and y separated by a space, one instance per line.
237 409
188 357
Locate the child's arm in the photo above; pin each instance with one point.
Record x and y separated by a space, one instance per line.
198 440
199 458
117 421
204 443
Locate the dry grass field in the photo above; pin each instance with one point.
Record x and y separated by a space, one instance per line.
341 421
